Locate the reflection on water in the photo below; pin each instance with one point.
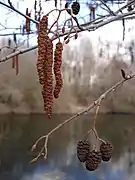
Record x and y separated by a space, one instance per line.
19 132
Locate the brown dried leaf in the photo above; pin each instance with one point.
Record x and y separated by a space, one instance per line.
13 62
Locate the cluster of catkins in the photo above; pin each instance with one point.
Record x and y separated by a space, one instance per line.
45 66
93 158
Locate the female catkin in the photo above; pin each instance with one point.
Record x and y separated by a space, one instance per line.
57 69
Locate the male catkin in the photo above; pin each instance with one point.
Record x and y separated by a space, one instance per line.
44 65
57 69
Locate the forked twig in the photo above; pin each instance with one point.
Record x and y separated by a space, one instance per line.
17 11
97 103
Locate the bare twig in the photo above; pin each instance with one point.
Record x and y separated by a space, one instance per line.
89 27
22 51
17 11
123 24
95 103
11 5
110 11
10 34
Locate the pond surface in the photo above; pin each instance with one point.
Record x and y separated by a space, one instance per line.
19 132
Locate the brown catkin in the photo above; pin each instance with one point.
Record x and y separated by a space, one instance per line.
27 21
17 65
57 69
48 84
44 65
42 44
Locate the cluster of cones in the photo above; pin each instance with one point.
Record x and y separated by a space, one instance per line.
93 158
49 64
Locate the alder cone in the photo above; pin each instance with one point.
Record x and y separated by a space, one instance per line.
75 8
57 69
93 160
83 148
106 149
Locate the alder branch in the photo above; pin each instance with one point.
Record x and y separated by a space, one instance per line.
102 17
17 11
44 151
11 34
111 12
89 27
22 51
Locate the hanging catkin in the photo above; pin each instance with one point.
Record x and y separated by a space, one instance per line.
15 64
44 65
57 69
48 84
42 48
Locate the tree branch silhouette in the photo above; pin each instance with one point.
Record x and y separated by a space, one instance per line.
43 152
86 27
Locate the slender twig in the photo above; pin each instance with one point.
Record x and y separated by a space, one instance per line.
11 5
121 16
22 51
110 11
10 34
55 22
95 103
17 11
90 27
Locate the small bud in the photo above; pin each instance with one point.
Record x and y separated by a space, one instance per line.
128 77
65 38
67 41
33 160
123 73
33 147
76 36
63 29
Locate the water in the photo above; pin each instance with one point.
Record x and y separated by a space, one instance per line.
19 132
